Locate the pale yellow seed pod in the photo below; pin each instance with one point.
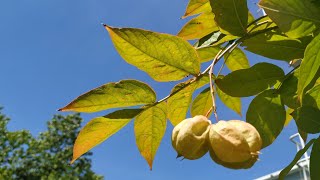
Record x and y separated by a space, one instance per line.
234 144
189 137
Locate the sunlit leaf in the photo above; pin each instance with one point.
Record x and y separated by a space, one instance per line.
298 156
262 24
231 16
310 65
202 103
296 18
208 53
250 17
234 103
149 128
196 7
199 27
288 116
223 39
214 39
267 115
237 60
275 45
251 81
164 57
312 97
307 119
113 95
100 129
179 102
315 160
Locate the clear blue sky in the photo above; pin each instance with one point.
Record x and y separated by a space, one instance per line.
54 50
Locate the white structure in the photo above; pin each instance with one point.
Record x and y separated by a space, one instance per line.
300 171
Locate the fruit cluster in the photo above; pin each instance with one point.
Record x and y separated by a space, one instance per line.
234 144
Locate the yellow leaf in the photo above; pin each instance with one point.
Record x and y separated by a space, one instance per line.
164 57
101 128
199 27
196 7
149 128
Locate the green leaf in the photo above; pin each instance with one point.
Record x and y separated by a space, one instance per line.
164 57
100 129
113 95
296 18
312 97
236 60
307 119
181 97
199 27
267 115
208 53
196 7
149 128
288 90
231 16
315 160
202 103
299 154
251 81
309 65
274 45
234 103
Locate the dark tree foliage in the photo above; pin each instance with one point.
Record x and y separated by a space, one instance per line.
47 156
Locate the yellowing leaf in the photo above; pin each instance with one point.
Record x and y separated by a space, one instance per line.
231 16
267 115
237 60
234 103
261 24
149 128
199 27
310 65
208 53
251 81
202 103
101 128
297 18
179 102
164 57
196 7
288 116
113 95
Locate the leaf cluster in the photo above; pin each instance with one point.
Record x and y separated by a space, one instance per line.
223 30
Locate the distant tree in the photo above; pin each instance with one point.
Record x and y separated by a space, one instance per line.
47 156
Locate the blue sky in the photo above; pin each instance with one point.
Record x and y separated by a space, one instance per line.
52 51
